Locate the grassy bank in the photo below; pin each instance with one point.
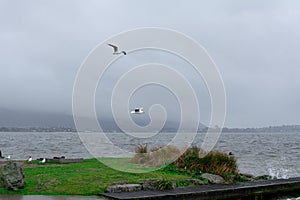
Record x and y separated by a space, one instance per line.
90 177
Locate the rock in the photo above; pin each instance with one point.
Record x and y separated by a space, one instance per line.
212 178
12 176
195 181
124 188
149 184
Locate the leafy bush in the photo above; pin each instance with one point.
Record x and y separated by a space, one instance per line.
163 184
189 159
215 162
182 183
220 163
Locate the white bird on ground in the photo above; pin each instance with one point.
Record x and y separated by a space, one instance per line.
43 161
8 157
137 111
116 51
29 159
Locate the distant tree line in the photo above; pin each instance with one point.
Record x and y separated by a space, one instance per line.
36 129
270 129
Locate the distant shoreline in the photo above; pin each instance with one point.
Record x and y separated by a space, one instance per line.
270 129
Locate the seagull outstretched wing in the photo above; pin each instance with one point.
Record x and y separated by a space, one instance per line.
114 46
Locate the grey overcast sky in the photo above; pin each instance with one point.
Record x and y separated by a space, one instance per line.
255 44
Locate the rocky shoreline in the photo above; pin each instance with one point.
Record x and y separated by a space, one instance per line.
157 184
264 189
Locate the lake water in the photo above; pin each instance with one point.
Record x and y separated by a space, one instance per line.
276 154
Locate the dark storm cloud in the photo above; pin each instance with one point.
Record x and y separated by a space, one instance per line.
255 44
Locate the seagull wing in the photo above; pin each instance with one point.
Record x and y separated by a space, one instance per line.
114 46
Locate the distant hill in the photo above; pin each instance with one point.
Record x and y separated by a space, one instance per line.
12 120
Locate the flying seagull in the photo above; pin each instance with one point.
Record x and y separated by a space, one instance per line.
116 52
137 111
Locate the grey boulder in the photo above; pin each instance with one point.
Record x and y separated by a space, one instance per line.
212 178
124 188
12 176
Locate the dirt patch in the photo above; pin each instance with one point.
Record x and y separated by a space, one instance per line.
25 164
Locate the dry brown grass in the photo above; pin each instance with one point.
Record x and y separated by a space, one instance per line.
141 149
25 164
158 157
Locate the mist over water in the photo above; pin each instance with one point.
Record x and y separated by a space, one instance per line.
275 154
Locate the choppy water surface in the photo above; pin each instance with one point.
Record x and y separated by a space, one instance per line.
276 154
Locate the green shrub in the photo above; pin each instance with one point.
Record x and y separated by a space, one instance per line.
182 183
1 182
163 184
215 162
189 159
220 163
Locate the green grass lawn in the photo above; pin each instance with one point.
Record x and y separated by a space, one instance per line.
90 177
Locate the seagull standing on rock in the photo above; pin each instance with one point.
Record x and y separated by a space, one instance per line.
43 161
116 51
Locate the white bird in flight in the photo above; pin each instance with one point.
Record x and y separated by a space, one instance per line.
116 51
137 111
